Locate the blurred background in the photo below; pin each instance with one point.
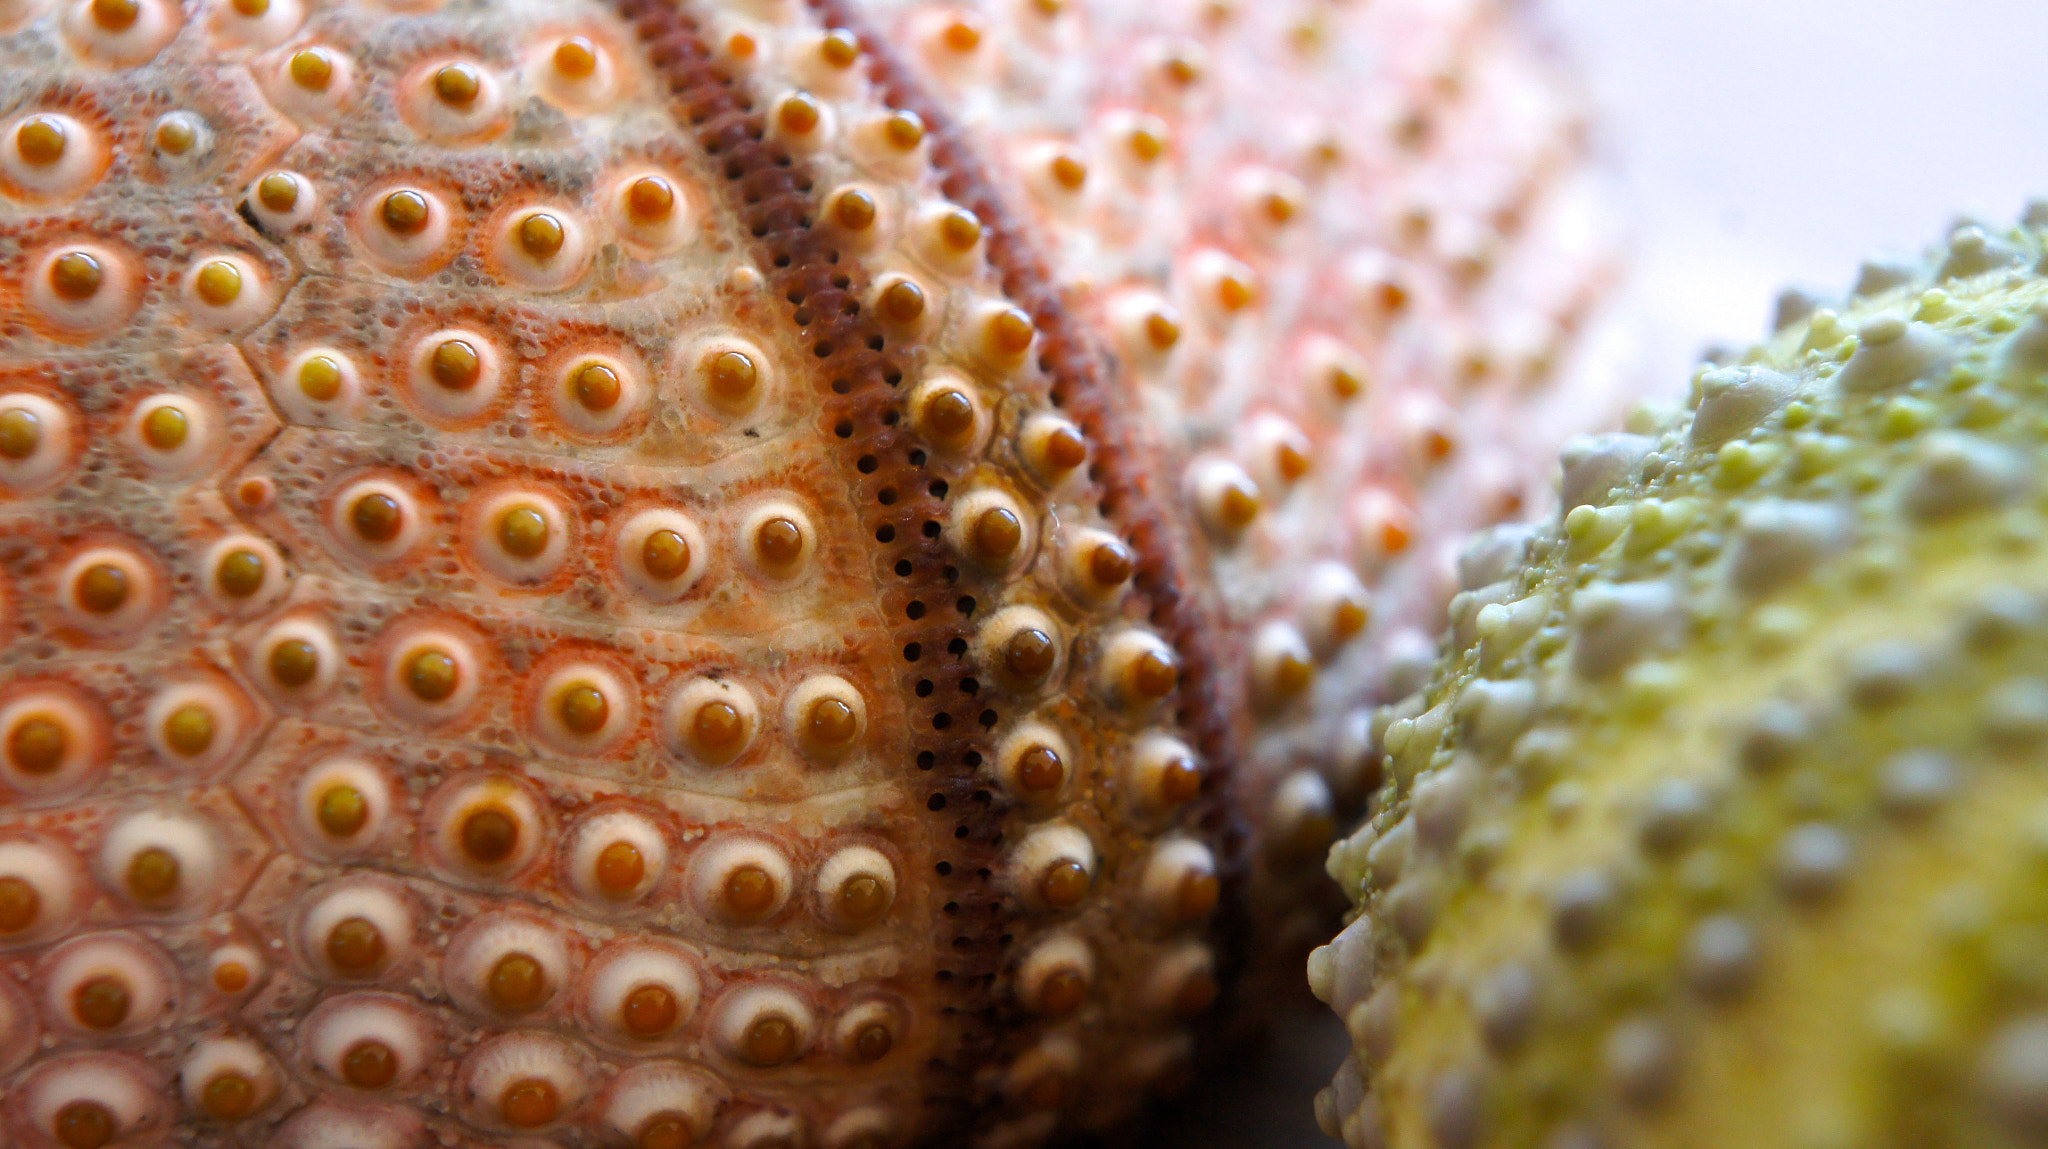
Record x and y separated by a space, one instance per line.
1753 144
1757 143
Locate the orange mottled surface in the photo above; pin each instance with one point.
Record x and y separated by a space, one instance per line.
767 575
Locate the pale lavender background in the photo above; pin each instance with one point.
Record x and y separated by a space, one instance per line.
1761 142
1754 143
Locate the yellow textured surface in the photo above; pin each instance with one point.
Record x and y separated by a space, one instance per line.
1848 532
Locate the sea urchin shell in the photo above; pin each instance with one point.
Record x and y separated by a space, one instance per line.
1722 822
651 573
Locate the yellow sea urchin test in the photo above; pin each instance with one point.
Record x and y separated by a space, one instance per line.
1722 823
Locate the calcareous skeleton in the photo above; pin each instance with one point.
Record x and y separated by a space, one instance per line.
775 573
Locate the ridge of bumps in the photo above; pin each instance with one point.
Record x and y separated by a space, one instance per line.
1722 821
760 574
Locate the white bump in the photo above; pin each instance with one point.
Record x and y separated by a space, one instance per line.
1735 400
1972 252
1959 473
1614 624
1493 554
1891 353
2026 353
1884 272
1593 465
1779 542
